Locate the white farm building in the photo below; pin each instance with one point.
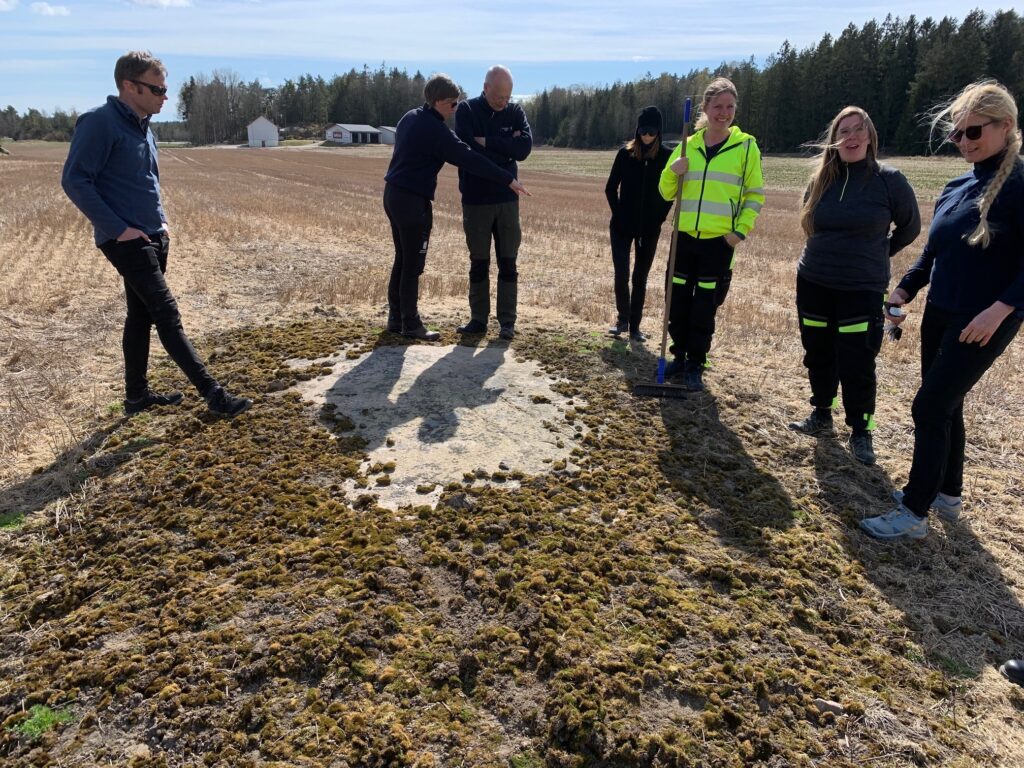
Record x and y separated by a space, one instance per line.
262 133
350 133
387 134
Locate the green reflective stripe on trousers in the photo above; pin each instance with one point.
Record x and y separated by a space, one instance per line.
732 261
813 323
855 328
678 280
707 286
835 403
869 422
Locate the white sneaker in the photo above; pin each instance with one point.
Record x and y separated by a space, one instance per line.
899 523
948 511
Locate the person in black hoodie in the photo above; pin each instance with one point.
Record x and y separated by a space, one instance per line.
423 144
638 212
857 215
974 261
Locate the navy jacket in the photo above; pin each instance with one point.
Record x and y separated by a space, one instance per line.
423 144
851 244
638 209
968 278
474 117
111 172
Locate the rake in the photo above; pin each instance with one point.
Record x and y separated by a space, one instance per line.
659 388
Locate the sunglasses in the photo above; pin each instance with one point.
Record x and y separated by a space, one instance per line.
972 132
647 132
156 90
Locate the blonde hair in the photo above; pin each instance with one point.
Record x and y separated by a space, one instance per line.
827 163
989 99
717 86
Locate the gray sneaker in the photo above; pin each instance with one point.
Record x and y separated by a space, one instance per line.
899 523
950 512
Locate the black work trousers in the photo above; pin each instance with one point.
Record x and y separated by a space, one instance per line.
150 303
629 304
703 271
841 332
949 370
411 218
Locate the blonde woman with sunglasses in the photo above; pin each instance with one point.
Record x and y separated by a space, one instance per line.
974 264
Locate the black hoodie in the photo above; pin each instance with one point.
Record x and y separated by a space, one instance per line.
632 189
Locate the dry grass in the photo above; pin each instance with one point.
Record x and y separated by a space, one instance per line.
260 237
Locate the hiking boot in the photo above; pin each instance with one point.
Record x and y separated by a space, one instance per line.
421 333
899 523
674 369
637 336
693 377
394 326
619 328
148 400
1013 670
507 332
818 423
860 446
221 403
472 328
947 510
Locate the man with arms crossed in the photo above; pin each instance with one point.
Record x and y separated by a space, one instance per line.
499 131
111 174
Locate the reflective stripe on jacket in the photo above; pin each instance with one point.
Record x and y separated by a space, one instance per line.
711 205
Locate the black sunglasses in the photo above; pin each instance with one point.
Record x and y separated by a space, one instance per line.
156 90
648 132
972 132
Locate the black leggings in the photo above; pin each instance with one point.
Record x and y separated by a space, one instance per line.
630 306
411 218
949 370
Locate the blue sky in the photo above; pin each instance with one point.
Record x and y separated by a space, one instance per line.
61 54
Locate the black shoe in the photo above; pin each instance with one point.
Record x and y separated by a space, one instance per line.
148 400
507 332
1013 670
637 336
472 328
818 423
421 333
674 369
394 326
222 404
618 328
693 378
860 445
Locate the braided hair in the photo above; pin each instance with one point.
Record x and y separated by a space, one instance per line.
991 100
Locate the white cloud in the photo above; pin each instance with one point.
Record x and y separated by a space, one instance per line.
8 5
45 9
164 3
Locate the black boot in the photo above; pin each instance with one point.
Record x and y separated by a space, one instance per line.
860 446
818 423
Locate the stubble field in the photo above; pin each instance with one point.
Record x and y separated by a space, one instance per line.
690 589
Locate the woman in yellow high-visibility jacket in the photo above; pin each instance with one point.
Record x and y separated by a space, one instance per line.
723 191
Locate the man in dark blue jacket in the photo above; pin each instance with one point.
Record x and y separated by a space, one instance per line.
498 130
111 174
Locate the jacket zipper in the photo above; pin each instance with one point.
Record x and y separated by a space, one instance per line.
847 181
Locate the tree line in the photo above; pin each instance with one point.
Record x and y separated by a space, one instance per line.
897 69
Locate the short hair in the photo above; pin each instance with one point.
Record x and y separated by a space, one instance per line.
135 64
498 70
440 87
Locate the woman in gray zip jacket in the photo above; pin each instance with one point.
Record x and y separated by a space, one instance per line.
857 214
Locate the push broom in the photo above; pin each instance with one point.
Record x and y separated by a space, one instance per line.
659 388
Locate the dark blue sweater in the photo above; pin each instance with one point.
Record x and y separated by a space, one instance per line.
423 144
111 173
474 117
965 278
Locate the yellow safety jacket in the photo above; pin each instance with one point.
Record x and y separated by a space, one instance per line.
721 196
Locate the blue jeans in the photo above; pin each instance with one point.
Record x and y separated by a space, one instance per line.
150 302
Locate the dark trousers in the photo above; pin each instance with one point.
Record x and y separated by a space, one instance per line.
949 370
630 305
150 302
482 224
703 271
411 218
842 333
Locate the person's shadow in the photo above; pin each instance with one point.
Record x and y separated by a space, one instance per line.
456 381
